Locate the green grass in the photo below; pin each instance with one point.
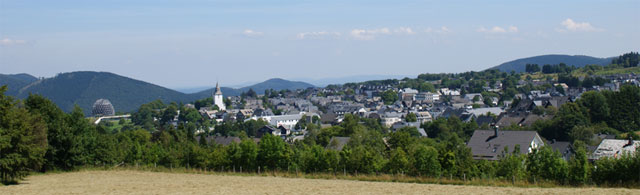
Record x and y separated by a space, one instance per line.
115 126
538 76
583 73
607 71
493 182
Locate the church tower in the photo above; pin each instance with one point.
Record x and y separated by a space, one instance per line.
217 98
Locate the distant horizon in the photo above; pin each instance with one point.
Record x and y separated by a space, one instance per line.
318 82
162 42
241 85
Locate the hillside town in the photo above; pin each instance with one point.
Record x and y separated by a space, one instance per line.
555 123
501 123
319 97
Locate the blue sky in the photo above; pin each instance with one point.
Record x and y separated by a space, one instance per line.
194 43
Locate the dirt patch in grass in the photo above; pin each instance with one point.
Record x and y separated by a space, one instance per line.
142 182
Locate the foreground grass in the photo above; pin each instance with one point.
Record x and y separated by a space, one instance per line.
344 176
141 181
399 178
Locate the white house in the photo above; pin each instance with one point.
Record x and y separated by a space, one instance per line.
423 116
447 91
389 118
615 148
427 97
288 121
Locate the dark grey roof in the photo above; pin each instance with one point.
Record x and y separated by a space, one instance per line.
466 117
262 112
452 112
484 145
558 101
564 148
532 118
374 115
524 105
337 143
328 118
484 119
267 129
508 119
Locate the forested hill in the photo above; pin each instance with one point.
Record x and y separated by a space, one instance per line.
126 94
15 82
571 60
277 84
84 88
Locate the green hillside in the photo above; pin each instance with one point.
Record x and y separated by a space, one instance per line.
15 82
571 60
84 88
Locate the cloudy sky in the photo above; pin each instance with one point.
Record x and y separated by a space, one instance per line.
191 43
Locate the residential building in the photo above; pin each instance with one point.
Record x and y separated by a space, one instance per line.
491 144
389 118
615 148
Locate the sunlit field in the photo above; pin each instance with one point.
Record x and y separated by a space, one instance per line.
143 182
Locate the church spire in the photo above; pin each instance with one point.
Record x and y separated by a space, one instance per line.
218 91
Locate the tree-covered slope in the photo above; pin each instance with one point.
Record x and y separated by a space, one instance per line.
15 82
277 84
84 88
571 60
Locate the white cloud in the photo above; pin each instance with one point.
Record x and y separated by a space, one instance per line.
8 42
362 34
497 29
317 35
404 30
441 30
570 25
370 34
444 30
251 33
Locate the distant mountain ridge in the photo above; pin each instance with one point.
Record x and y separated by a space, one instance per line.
83 88
571 60
274 83
16 81
323 82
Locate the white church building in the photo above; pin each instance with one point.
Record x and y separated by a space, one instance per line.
218 99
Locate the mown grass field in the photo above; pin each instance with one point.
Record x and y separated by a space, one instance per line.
146 182
635 70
